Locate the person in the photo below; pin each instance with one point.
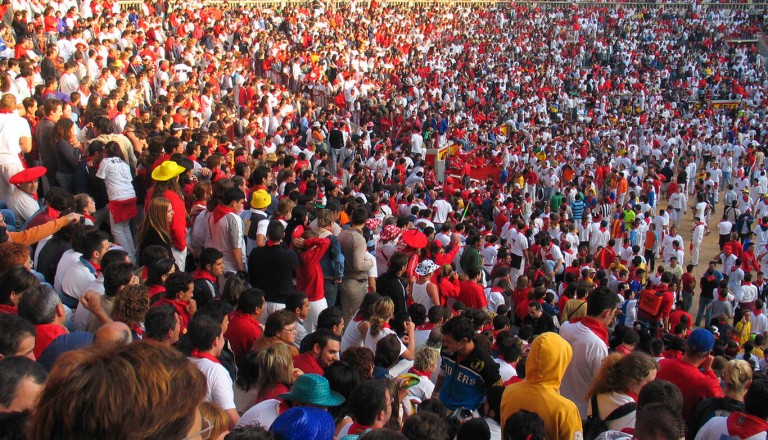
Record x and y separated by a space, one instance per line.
356 266
752 423
547 361
616 387
423 291
15 139
24 200
303 423
211 267
693 373
538 319
588 336
17 337
323 352
270 268
737 376
382 312
42 307
258 220
93 246
392 285
67 151
155 230
226 230
72 390
280 328
309 275
21 381
276 372
424 425
369 406
206 337
166 178
162 324
244 327
178 294
116 173
467 372
52 111
524 425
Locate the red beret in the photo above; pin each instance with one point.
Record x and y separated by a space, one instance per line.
28 175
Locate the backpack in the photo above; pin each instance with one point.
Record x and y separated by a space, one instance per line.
594 426
650 302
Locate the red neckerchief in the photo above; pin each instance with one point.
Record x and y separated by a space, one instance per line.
201 274
96 267
741 425
7 308
54 214
139 330
5 111
220 212
201 355
420 373
271 243
357 428
631 394
597 327
602 229
90 217
426 326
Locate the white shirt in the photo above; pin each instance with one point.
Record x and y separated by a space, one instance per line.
77 279
588 353
220 390
442 209
117 178
12 129
717 428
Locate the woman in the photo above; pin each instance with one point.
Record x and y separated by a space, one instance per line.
276 372
616 386
157 273
382 312
131 304
67 150
145 375
386 247
280 328
358 328
116 173
156 227
737 376
309 275
166 185
393 285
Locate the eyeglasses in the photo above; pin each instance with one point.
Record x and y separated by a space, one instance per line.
290 330
203 434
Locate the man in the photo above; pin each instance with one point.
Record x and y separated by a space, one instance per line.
226 230
162 324
547 361
441 208
588 337
42 307
471 258
178 293
751 423
77 277
356 266
244 327
21 382
17 336
207 276
15 139
467 373
52 110
104 130
538 319
24 198
693 373
518 248
270 268
258 220
114 277
324 351
370 408
206 337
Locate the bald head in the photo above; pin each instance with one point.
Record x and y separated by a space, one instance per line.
112 335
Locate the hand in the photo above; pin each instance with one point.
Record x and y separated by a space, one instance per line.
91 301
205 172
297 373
73 217
707 365
409 327
298 242
192 307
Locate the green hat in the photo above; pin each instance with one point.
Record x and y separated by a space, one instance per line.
313 389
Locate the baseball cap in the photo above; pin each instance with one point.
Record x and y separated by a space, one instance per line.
701 341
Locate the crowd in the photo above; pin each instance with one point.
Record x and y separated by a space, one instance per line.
229 222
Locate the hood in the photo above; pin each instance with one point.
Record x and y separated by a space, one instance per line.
549 357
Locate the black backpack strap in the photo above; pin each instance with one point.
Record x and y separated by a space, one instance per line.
595 411
621 411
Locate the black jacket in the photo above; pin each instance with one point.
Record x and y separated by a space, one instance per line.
392 286
270 268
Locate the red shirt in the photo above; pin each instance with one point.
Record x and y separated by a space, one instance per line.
309 274
472 295
307 363
242 332
676 316
694 384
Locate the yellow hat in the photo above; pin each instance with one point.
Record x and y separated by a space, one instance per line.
260 199
167 171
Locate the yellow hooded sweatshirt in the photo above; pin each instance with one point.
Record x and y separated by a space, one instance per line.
540 391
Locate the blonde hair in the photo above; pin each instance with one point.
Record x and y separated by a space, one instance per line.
381 312
426 359
156 218
617 372
218 418
737 374
275 366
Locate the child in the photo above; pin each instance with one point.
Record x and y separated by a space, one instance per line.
424 365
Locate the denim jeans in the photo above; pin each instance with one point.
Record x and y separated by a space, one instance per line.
703 302
331 292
